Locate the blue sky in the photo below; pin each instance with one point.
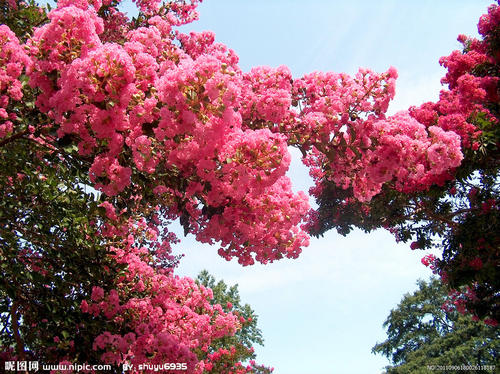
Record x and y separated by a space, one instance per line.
322 313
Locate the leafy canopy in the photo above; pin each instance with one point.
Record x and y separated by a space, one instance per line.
424 331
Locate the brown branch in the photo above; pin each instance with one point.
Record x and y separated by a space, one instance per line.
436 217
13 137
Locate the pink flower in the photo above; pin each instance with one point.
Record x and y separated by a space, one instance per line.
491 322
476 264
97 293
84 306
429 260
110 210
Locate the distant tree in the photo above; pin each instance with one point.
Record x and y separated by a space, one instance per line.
423 331
244 339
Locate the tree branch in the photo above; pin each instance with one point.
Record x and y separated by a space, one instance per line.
13 137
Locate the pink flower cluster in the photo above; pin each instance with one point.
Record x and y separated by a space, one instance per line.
71 33
462 300
165 318
489 21
329 105
469 92
221 361
430 261
13 62
397 150
267 97
175 108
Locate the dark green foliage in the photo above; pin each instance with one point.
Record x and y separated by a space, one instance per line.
421 333
50 253
22 20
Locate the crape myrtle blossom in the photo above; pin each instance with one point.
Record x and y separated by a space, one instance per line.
118 100
406 154
13 60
